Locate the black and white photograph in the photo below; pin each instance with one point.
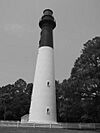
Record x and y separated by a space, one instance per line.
49 66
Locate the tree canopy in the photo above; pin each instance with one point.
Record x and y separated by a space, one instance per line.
15 100
81 98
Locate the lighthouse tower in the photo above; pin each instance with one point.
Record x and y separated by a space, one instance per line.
43 101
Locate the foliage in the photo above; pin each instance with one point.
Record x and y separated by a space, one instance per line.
78 98
86 72
15 100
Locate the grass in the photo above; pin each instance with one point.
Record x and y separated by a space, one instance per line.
4 129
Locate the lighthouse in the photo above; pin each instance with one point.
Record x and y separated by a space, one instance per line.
43 99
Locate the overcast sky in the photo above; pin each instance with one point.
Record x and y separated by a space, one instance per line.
77 22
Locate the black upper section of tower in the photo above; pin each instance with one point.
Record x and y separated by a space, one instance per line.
47 24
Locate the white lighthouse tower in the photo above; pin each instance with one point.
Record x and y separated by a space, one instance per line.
43 100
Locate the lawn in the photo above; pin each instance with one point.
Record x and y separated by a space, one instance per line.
41 130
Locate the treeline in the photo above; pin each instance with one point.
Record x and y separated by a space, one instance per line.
15 100
78 98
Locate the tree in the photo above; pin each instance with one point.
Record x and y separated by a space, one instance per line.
22 98
61 106
78 98
68 106
86 77
15 100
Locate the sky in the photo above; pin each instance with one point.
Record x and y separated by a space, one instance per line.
77 22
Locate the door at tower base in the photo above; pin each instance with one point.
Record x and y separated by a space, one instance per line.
43 101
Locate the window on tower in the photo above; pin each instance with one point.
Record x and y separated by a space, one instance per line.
48 111
48 83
